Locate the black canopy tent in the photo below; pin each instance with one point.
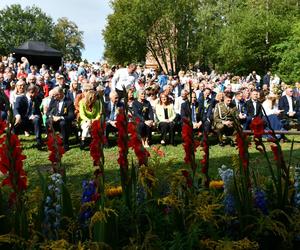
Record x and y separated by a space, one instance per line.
38 53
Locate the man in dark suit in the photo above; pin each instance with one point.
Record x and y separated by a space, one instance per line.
253 108
291 108
190 110
239 103
205 108
28 114
60 114
111 111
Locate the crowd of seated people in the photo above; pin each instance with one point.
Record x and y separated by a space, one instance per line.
75 95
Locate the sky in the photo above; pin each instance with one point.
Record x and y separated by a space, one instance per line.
89 15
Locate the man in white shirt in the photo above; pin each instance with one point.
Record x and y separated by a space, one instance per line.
125 77
290 106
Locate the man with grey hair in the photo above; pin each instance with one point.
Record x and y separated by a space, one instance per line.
60 115
111 111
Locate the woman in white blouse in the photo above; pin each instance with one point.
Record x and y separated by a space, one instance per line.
270 106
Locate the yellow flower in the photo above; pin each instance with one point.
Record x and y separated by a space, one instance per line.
216 184
113 191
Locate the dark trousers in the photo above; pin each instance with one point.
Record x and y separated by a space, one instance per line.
30 126
144 130
63 127
165 128
121 94
109 129
206 126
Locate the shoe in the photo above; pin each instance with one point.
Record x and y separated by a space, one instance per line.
232 144
222 144
66 148
27 134
146 145
39 146
162 142
82 144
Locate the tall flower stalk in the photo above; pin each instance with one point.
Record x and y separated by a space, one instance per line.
280 177
96 151
205 160
122 141
11 166
56 151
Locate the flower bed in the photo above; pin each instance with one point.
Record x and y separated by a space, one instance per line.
184 210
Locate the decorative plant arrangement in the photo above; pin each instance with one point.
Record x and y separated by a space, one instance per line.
184 210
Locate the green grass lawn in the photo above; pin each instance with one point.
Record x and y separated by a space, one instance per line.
79 164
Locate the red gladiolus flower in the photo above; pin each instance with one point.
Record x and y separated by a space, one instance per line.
136 144
11 165
187 137
240 141
3 126
186 174
122 139
98 141
257 126
204 161
55 146
274 149
158 151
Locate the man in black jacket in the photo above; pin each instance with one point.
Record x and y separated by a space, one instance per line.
28 114
253 108
291 108
60 114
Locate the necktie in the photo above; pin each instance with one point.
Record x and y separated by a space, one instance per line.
29 111
112 113
255 106
57 108
193 113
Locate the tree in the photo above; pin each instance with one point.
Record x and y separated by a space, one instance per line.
18 25
287 54
124 35
68 39
164 28
250 29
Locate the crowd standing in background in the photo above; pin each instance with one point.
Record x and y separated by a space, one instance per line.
71 98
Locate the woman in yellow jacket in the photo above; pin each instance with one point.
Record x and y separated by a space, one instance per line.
90 109
165 115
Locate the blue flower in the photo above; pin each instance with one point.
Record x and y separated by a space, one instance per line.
260 201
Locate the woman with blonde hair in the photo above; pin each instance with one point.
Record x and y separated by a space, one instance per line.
165 116
271 113
90 109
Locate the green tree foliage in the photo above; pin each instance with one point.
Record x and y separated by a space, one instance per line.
68 39
235 35
287 54
250 29
124 35
161 28
18 25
